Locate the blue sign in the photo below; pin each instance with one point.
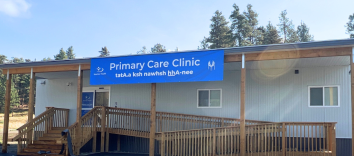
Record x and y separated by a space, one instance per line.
87 99
158 68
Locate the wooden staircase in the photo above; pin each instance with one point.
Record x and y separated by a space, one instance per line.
50 141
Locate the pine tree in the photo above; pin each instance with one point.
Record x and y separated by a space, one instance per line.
70 53
244 27
286 27
238 26
61 55
3 59
204 43
260 38
104 52
350 26
46 59
292 36
220 34
142 51
271 35
252 25
15 100
158 48
303 32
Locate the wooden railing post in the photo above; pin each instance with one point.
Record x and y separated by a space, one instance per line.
283 139
19 145
67 118
103 127
222 122
107 131
94 126
162 144
333 142
214 142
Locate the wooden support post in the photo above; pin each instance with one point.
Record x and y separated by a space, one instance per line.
283 139
79 107
152 120
352 95
79 94
103 127
31 105
94 125
7 112
242 109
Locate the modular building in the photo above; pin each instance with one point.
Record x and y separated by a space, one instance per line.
284 99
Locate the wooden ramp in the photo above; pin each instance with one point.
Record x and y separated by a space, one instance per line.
177 134
184 134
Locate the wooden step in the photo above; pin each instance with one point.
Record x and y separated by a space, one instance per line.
48 138
59 128
34 150
36 154
45 146
56 135
46 142
57 131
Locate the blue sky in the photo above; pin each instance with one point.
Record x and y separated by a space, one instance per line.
37 29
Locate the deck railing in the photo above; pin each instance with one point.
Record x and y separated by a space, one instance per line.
31 131
265 139
136 123
81 132
139 120
182 134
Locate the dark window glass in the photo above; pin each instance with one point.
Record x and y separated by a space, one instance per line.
101 99
316 96
203 98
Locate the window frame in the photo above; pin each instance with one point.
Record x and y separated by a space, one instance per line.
219 89
323 95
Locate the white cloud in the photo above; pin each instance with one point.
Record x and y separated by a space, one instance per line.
14 8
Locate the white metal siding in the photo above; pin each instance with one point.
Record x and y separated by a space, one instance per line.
271 95
55 93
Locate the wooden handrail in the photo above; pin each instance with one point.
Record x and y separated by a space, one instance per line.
36 118
31 131
264 124
30 128
77 131
191 115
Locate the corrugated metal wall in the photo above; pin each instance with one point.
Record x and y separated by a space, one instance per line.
271 95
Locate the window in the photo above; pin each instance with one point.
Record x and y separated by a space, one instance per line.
323 96
209 98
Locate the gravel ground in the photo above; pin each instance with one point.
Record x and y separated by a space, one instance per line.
11 149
